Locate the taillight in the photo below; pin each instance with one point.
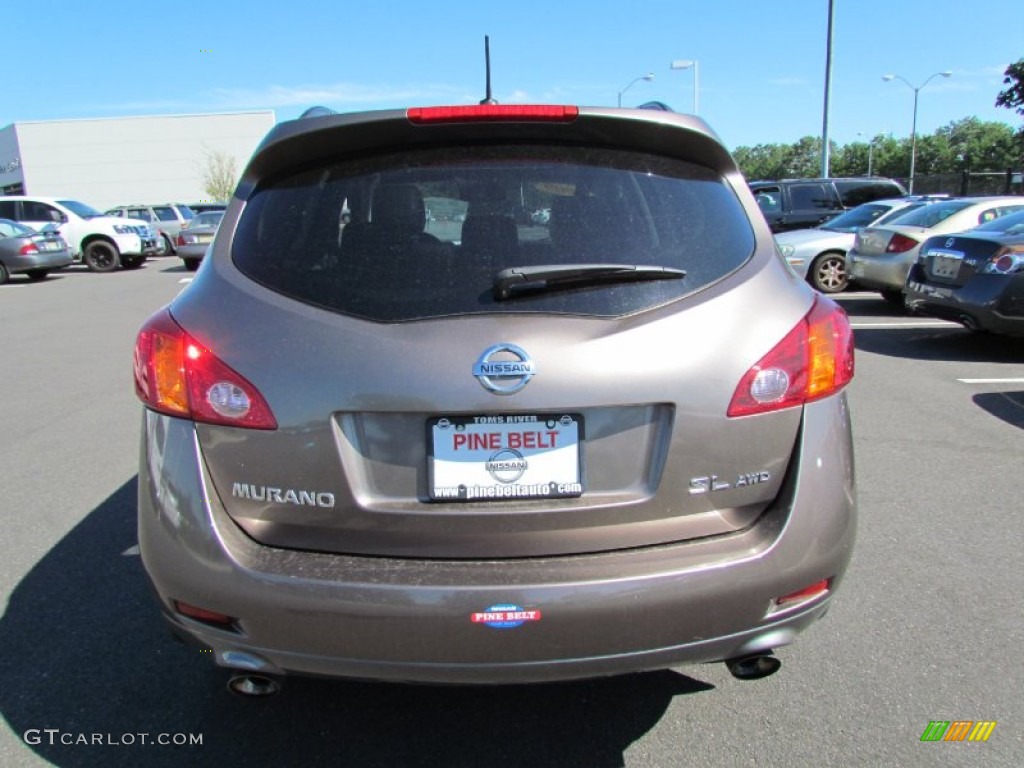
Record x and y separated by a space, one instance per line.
176 375
28 250
482 113
813 361
900 243
180 240
1006 260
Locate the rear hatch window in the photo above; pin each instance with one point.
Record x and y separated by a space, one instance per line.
425 234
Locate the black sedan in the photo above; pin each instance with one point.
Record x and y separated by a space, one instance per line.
975 278
24 250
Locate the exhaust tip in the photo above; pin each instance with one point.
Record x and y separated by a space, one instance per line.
968 322
753 667
254 686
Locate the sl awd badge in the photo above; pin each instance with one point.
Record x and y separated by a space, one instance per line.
712 483
504 369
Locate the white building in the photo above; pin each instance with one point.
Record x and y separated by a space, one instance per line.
123 160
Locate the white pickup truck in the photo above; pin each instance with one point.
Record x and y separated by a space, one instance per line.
102 242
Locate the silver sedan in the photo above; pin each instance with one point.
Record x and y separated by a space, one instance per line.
23 250
192 242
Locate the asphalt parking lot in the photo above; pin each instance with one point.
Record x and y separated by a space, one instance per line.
926 626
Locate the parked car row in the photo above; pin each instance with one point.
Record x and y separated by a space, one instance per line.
960 259
103 243
881 256
819 254
41 234
166 219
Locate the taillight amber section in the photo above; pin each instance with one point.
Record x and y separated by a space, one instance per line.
830 349
176 375
160 380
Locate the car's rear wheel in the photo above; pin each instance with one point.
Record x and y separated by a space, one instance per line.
828 273
168 246
37 274
132 262
101 256
191 264
4 274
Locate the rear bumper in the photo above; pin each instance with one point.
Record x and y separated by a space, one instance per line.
986 302
192 250
418 620
880 271
42 260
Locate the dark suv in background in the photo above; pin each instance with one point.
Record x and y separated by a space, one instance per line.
803 203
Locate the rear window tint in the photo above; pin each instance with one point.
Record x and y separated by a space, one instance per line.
423 234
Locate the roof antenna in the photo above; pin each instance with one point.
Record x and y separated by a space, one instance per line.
487 62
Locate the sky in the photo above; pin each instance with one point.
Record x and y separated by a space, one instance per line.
761 64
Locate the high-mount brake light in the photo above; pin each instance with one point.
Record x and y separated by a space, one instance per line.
490 113
813 361
176 375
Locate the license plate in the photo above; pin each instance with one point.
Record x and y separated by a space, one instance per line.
504 457
204 238
51 245
945 263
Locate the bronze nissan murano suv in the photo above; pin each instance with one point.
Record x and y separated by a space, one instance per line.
494 394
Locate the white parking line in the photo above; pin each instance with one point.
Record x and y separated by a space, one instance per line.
907 324
185 280
991 381
856 295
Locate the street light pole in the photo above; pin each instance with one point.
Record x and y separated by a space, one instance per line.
913 128
871 150
695 66
649 76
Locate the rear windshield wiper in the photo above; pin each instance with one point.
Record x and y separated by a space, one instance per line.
516 281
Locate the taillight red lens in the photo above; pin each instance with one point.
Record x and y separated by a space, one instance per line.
476 113
176 375
28 250
179 240
900 243
813 361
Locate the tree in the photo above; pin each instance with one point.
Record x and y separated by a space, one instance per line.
1013 97
977 145
220 174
